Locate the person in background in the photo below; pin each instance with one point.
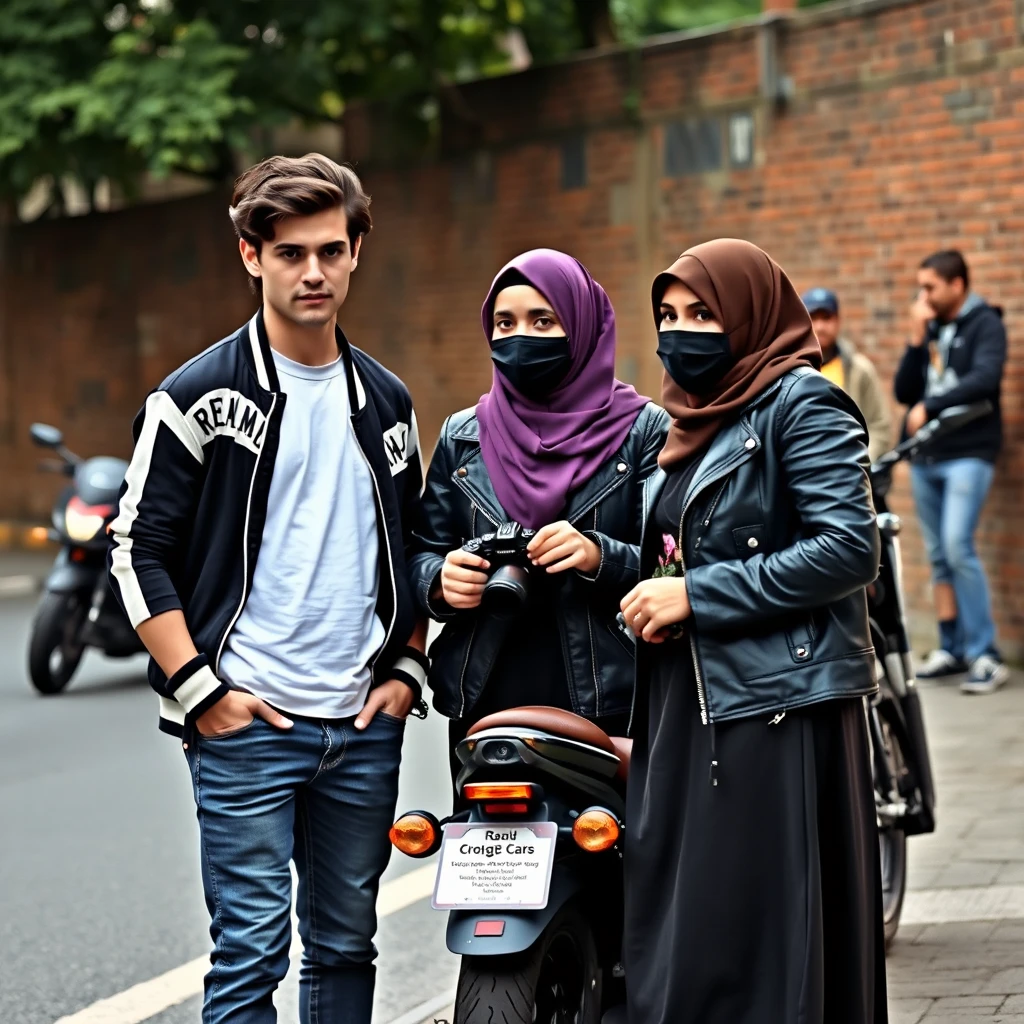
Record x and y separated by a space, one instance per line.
955 356
850 369
560 446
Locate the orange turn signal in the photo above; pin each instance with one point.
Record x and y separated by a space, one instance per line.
498 791
595 830
416 834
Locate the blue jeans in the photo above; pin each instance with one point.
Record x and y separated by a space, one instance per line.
949 498
321 794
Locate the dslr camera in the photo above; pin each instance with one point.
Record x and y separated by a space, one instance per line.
507 589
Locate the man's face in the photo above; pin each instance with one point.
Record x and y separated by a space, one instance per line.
826 327
945 297
305 268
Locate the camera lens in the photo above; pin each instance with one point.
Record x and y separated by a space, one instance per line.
506 591
499 752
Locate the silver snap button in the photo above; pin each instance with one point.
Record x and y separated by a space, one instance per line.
749 443
752 542
621 467
801 652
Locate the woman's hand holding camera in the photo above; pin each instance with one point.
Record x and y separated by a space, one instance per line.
561 546
654 605
463 577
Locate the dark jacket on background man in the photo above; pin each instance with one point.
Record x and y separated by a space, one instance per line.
459 503
961 362
779 543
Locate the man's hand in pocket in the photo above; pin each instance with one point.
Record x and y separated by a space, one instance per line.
234 711
394 698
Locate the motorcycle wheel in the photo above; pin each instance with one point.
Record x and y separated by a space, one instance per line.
55 649
892 844
556 981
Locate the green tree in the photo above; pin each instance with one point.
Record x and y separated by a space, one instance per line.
94 89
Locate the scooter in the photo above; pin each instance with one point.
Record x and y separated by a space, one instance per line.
903 780
78 608
530 868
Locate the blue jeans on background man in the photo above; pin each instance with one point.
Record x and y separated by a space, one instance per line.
323 794
949 497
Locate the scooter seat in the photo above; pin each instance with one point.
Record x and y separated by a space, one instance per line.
624 748
553 720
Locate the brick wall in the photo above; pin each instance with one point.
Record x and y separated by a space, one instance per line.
901 133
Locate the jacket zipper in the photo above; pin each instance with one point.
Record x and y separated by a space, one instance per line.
711 511
705 716
593 646
472 632
246 582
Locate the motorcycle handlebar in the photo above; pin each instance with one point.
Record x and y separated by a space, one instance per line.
946 422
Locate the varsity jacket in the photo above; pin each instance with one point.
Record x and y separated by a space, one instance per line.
194 502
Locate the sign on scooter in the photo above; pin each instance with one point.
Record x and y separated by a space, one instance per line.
495 865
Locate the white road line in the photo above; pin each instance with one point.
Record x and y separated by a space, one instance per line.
148 998
17 586
984 903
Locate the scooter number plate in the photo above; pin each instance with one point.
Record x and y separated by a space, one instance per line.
495 866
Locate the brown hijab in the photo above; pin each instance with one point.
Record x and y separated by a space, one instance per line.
769 334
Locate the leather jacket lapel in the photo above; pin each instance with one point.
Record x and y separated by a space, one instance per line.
472 478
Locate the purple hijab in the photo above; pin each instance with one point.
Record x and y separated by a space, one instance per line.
537 453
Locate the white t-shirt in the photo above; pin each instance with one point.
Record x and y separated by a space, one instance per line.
309 628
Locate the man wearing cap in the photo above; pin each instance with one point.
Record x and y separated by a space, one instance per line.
852 371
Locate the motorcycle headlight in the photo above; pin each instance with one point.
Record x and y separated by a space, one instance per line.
82 522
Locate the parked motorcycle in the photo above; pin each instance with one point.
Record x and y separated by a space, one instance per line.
531 868
78 608
904 786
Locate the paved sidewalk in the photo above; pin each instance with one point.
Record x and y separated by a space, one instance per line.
959 956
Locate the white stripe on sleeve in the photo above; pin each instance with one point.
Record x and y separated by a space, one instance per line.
414 668
171 711
160 408
196 688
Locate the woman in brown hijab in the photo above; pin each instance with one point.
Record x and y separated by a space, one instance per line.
752 877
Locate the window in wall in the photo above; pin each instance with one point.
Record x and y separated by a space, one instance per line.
741 139
693 146
574 162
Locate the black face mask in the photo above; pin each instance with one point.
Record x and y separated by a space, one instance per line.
533 366
695 360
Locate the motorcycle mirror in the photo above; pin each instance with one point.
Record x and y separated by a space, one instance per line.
46 436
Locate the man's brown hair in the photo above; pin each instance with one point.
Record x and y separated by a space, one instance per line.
284 186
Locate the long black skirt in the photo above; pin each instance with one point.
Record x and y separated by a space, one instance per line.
756 901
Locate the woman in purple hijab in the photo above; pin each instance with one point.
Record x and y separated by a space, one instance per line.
560 447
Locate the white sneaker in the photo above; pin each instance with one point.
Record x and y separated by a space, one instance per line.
941 663
986 676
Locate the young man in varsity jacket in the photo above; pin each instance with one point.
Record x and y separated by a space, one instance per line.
259 550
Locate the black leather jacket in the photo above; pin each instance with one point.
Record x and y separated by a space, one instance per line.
459 503
780 541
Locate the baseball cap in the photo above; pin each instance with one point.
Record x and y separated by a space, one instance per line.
821 300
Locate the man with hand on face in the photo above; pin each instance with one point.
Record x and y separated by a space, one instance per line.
955 356
259 550
850 369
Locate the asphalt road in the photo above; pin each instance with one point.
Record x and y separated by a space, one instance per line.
99 866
